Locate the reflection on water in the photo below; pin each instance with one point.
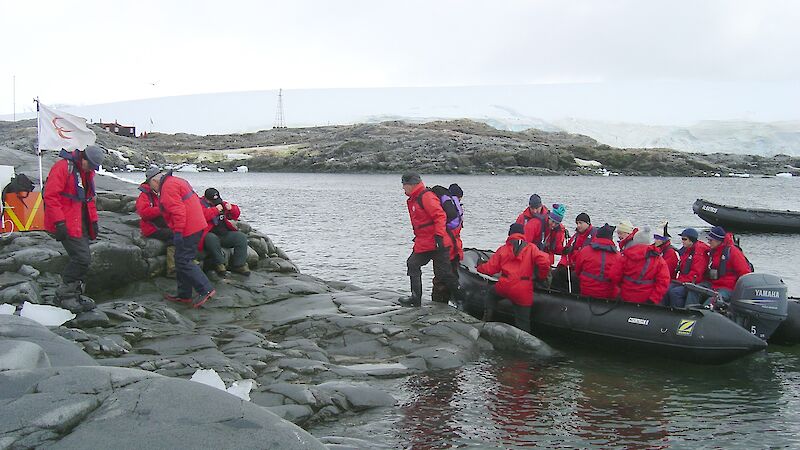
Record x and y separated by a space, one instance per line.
355 228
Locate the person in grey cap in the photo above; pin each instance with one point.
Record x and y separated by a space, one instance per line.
428 220
152 222
534 210
70 214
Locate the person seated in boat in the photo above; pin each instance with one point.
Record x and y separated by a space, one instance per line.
641 274
584 232
668 252
554 235
726 263
691 269
535 209
517 262
625 233
594 263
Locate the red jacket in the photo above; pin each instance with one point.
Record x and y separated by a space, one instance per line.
577 241
735 264
457 249
593 264
527 215
554 242
641 274
624 242
66 190
693 263
536 230
428 221
670 256
516 261
213 217
181 206
149 209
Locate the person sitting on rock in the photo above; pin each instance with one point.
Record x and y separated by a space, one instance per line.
221 233
516 262
726 263
184 215
70 214
691 269
151 222
594 263
625 232
642 274
535 209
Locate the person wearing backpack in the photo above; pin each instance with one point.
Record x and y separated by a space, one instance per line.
70 214
450 199
429 222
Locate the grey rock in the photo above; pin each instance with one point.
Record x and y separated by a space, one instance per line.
359 396
60 351
506 337
294 413
297 393
89 319
15 355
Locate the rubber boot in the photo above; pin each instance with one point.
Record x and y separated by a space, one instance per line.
67 296
171 261
459 298
87 304
415 299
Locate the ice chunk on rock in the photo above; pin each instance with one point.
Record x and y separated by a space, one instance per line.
49 316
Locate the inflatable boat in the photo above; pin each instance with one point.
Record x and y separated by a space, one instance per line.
699 335
733 218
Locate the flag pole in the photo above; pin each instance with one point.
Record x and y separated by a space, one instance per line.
38 150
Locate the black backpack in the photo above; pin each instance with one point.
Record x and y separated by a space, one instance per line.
19 185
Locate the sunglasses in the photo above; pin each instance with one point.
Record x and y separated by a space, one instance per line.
684 239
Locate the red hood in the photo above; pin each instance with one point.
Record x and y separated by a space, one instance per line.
417 190
517 242
639 251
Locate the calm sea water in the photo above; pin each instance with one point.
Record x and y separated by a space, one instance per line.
355 228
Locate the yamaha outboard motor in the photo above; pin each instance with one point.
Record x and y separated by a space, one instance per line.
759 303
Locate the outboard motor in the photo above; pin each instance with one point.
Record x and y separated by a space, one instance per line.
759 303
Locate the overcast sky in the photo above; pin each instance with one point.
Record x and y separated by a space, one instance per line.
86 52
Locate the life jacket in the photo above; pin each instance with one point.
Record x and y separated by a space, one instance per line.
538 239
604 250
450 205
648 259
686 266
83 194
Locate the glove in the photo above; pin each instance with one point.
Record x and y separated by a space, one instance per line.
96 229
177 239
567 250
61 231
439 242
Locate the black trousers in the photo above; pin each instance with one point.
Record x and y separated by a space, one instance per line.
79 259
162 234
440 292
442 270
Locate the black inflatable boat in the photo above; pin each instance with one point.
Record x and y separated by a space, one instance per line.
696 335
733 218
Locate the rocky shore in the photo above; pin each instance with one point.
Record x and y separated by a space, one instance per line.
119 376
458 146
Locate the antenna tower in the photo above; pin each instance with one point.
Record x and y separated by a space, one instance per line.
279 122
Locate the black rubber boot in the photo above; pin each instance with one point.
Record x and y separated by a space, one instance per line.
68 297
415 299
459 298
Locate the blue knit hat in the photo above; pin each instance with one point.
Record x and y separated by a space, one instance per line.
717 233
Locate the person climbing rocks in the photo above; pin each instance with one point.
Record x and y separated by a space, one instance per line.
151 220
221 233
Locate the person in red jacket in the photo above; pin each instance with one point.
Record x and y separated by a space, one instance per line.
555 232
668 252
535 209
151 221
641 274
220 233
584 232
726 263
440 293
691 269
70 214
184 216
594 263
516 262
428 220
625 232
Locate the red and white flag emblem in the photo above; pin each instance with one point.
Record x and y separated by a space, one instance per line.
59 130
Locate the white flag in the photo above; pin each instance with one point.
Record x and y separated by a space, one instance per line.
59 130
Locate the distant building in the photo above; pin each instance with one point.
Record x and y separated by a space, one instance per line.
119 130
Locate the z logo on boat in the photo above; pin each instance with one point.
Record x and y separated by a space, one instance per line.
686 327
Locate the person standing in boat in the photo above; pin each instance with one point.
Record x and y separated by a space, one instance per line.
625 232
554 236
429 222
642 274
535 210
517 262
584 233
726 263
594 263
691 269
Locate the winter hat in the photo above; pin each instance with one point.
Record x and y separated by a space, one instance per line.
456 190
151 173
212 195
665 235
516 228
95 156
558 212
641 237
411 178
583 217
689 233
717 233
625 226
535 201
605 232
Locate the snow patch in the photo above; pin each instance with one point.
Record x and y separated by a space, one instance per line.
587 163
49 316
210 377
7 309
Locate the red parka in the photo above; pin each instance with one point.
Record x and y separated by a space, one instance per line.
527 215
670 256
428 221
212 216
641 274
181 206
554 242
457 249
623 243
516 262
693 263
67 190
729 262
593 264
576 242
149 209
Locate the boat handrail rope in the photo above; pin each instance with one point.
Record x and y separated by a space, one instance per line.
613 306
